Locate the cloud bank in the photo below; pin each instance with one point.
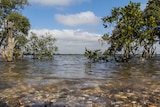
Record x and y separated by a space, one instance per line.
83 18
57 2
72 41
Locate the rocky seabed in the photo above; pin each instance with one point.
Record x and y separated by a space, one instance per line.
77 94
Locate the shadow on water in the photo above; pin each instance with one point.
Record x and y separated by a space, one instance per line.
2 104
12 73
50 105
136 68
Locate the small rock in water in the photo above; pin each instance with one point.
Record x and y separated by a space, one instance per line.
152 106
134 102
143 60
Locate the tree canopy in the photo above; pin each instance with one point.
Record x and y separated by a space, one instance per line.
14 28
41 46
153 9
9 13
134 32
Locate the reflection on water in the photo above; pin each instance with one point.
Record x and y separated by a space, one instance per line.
73 72
75 67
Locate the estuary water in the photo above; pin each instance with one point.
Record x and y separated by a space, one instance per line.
71 80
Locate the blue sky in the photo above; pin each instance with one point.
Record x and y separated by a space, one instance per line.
75 24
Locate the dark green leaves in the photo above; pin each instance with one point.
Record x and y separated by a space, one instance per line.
9 12
21 23
135 31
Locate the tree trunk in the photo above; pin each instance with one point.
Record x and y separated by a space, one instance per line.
7 53
11 44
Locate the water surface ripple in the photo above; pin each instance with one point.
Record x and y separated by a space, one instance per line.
28 79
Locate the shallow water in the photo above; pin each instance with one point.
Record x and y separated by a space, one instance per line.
73 72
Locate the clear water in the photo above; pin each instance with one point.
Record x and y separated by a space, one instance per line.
73 72
74 67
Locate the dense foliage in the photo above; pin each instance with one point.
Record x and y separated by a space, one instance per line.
9 13
153 9
135 32
14 29
41 46
20 32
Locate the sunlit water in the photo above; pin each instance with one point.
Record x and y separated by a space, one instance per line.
76 68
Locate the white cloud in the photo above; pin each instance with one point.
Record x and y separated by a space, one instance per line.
73 41
57 2
83 18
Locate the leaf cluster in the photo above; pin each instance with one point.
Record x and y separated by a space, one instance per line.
133 33
9 12
94 56
41 46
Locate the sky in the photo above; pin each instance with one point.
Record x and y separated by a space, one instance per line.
76 24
